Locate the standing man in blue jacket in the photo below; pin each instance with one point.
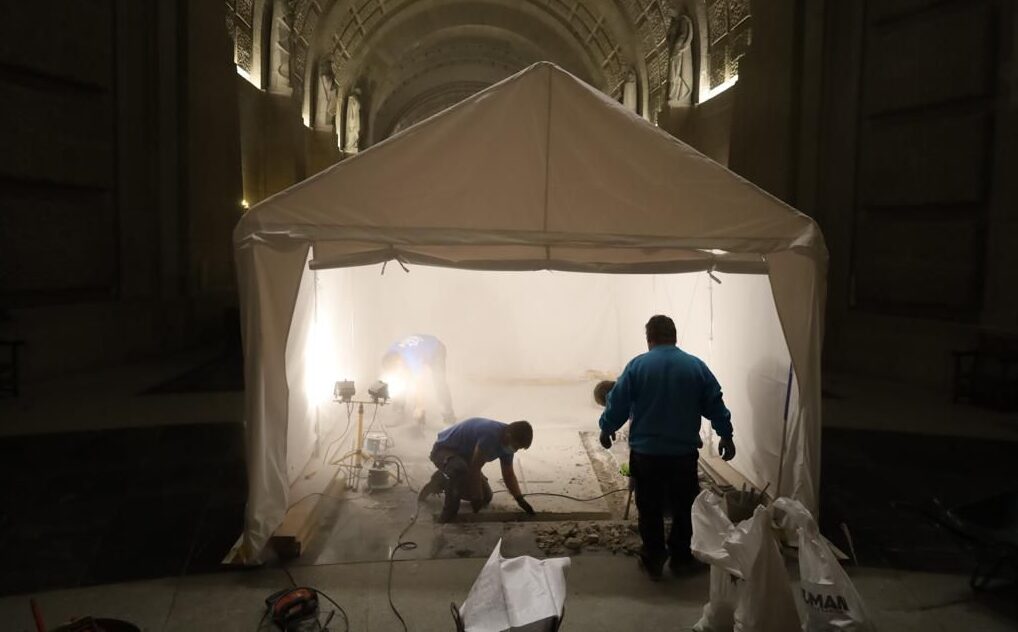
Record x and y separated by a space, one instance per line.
664 393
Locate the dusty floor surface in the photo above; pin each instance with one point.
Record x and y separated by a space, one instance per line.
134 536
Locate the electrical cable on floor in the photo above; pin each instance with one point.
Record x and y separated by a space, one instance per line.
409 545
295 585
346 619
399 463
582 500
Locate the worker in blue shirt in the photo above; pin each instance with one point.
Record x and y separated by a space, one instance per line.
461 451
413 362
664 393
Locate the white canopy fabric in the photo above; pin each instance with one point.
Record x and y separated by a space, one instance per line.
538 172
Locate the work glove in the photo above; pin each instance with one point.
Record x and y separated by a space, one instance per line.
524 505
606 439
727 448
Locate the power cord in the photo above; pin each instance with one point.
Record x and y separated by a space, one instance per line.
582 500
342 435
319 593
409 545
392 458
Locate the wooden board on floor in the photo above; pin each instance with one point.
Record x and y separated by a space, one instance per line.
292 537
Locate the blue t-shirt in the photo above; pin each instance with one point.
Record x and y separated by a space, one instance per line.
417 351
477 431
665 392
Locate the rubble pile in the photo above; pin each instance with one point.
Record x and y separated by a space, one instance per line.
570 538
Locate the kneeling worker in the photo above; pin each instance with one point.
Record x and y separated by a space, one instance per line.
462 450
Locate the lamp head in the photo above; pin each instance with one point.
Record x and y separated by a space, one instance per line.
344 391
379 392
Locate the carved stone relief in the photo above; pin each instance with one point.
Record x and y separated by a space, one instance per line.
728 26
239 25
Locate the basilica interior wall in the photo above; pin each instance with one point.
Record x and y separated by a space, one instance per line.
119 184
918 134
139 137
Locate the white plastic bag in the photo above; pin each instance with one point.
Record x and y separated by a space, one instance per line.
710 528
516 592
831 602
749 584
719 613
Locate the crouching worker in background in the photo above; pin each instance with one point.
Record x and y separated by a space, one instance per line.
409 366
462 450
601 390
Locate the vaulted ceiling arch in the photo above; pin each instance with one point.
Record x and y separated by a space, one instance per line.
386 45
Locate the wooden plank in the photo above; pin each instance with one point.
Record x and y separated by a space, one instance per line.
293 536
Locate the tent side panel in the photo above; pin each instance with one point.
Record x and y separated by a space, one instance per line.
799 284
268 277
749 356
303 353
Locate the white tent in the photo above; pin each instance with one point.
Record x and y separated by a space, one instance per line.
538 172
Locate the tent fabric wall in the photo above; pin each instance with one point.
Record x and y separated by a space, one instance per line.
540 171
750 358
799 282
269 272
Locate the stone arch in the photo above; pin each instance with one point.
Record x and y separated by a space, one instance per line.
458 54
352 37
610 37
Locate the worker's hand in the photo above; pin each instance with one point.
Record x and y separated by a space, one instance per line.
727 448
524 505
606 439
477 504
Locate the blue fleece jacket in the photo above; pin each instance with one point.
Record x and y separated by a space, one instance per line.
665 392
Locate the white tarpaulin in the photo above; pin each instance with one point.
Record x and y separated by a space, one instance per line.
514 592
538 172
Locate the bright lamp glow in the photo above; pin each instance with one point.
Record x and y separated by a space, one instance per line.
397 383
320 365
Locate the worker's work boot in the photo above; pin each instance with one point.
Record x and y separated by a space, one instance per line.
433 487
684 565
654 568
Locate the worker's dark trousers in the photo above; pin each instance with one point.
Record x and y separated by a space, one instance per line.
665 480
455 468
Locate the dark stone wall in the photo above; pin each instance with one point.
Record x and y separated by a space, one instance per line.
120 179
914 198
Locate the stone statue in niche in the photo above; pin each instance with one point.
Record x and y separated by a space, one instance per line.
353 123
680 61
629 93
327 93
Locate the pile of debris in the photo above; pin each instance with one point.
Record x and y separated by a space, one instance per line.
570 538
